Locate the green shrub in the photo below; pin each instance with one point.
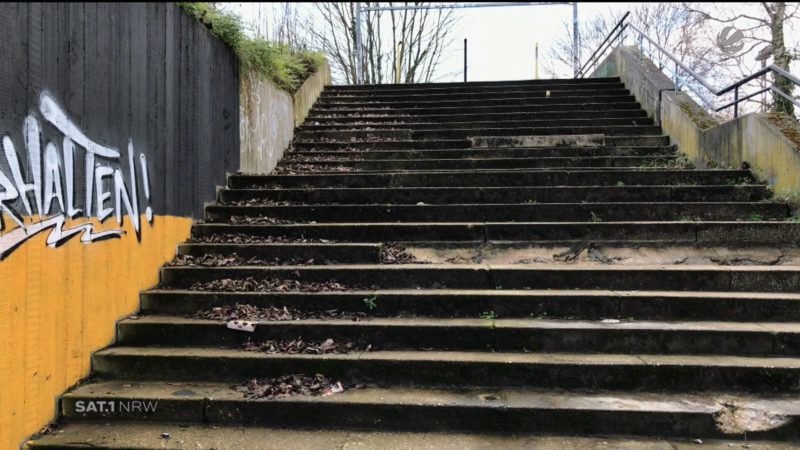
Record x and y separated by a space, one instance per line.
286 67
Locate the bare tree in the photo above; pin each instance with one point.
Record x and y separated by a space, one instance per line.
763 29
398 46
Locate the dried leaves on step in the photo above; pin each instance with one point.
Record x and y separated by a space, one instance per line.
395 254
293 169
272 313
240 238
300 346
250 284
287 385
218 260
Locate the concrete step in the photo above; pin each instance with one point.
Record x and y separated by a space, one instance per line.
387 165
430 144
356 253
664 373
365 110
600 98
505 177
335 91
144 436
477 334
387 117
731 233
505 194
486 153
448 132
511 276
509 212
427 97
366 88
414 409
576 304
416 124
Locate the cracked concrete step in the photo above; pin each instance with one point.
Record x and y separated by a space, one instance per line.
576 233
145 436
555 89
510 212
511 276
386 118
663 373
485 163
649 140
485 410
593 304
507 194
506 177
474 334
416 123
555 108
355 253
508 152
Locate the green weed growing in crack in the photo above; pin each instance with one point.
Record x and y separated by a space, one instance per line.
370 302
620 183
755 218
531 202
490 316
595 217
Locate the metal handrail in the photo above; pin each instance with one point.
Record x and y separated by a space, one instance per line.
680 66
591 59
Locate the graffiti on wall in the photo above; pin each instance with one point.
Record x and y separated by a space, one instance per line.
45 187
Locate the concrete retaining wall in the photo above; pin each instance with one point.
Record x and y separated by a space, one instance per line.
750 138
268 116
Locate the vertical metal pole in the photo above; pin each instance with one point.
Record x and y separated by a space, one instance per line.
465 60
677 86
736 102
536 70
575 62
358 42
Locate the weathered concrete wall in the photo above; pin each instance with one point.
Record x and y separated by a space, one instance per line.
268 116
116 121
749 138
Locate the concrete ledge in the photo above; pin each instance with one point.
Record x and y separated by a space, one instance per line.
750 139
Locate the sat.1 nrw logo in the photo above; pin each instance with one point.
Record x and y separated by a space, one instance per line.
111 406
730 40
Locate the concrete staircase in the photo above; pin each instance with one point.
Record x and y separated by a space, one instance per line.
589 285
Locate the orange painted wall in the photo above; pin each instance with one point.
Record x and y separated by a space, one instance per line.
58 305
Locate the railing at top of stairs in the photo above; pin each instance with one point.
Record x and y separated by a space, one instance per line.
680 74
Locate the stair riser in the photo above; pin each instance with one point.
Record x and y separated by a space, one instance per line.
737 233
462 133
577 177
566 108
470 164
652 341
554 93
390 277
390 116
456 143
510 152
423 418
341 253
579 307
483 92
543 212
504 195
633 374
472 85
466 103
417 124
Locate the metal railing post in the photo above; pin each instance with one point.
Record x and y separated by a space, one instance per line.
736 102
677 86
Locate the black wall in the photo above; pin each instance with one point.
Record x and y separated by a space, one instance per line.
140 71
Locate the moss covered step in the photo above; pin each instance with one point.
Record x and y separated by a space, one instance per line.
532 334
575 304
513 276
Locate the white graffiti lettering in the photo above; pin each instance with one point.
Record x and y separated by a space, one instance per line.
106 190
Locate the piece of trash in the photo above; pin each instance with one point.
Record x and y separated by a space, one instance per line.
242 325
334 389
547 93
697 441
610 321
127 385
420 204
164 435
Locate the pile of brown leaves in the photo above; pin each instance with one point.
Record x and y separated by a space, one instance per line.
250 284
259 220
258 202
299 346
240 238
271 313
217 260
395 254
286 385
293 169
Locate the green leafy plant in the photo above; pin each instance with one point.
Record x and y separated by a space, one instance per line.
595 217
490 316
370 302
531 202
755 218
620 183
